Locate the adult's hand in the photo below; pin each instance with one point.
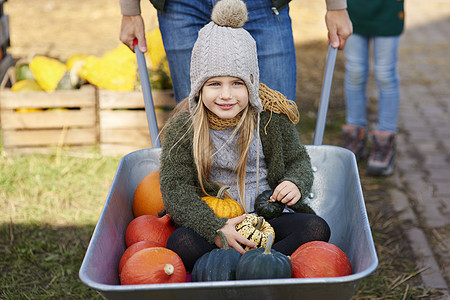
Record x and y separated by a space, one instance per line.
132 28
339 27
234 238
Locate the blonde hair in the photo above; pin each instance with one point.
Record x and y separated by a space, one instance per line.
203 149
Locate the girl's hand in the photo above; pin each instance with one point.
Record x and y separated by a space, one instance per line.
286 192
234 238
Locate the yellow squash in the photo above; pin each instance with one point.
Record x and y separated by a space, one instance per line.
47 72
116 70
224 207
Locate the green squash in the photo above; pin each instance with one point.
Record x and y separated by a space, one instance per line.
264 264
65 83
217 265
23 72
267 208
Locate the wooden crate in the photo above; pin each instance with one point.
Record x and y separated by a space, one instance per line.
123 120
40 121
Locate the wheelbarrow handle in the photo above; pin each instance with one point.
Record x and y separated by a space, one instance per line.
148 99
325 96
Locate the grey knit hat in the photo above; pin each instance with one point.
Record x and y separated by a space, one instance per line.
224 48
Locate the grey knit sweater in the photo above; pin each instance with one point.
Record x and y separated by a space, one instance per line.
286 159
225 159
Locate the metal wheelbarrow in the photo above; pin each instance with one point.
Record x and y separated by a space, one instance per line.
336 196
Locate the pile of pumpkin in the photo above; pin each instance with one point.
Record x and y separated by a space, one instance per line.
147 261
116 70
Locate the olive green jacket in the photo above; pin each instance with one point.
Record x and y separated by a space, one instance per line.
286 159
376 17
132 7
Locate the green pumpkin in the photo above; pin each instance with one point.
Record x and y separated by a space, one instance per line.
267 208
217 265
264 264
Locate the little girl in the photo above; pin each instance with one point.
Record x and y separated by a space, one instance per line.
235 132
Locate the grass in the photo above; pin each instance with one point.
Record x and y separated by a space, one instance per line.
42 261
50 206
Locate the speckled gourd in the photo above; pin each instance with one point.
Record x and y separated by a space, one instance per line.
256 229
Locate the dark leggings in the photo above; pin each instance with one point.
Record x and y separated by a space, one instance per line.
288 237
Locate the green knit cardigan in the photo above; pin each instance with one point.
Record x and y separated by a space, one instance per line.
285 156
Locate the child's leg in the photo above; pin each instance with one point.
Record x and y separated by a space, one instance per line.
386 75
189 246
356 73
294 229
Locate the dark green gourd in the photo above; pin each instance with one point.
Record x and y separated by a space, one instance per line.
264 264
218 264
267 208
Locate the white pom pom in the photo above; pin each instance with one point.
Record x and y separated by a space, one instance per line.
230 13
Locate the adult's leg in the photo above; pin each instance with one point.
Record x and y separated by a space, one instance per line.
179 25
275 45
295 229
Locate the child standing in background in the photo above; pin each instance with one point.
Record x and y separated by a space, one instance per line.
238 133
379 22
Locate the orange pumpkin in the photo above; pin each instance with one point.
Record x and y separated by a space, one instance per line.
153 265
149 228
224 207
130 251
147 198
319 259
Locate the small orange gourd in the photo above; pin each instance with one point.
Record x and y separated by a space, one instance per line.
149 228
320 259
224 207
153 265
147 199
130 251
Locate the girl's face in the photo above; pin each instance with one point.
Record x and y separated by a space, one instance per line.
225 96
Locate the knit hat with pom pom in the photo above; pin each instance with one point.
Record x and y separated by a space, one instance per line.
224 48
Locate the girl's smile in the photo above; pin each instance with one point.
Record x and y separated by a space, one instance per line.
226 106
225 96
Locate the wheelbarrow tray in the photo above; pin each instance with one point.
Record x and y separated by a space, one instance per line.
336 196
